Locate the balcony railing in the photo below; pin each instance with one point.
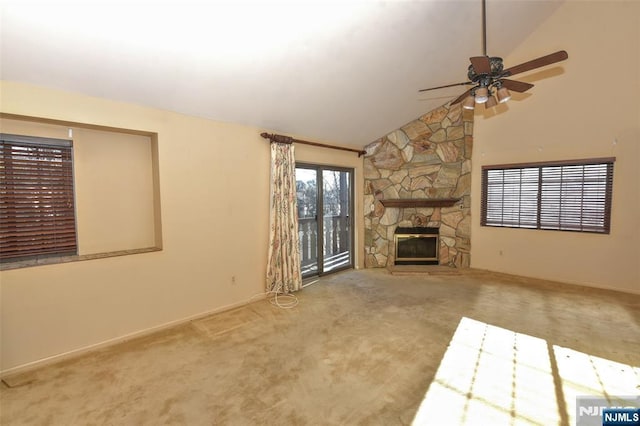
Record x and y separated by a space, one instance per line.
337 243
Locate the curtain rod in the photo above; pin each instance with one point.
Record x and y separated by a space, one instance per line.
288 139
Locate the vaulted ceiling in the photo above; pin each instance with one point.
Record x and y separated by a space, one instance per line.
346 72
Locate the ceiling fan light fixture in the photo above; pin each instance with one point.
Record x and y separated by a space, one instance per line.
491 102
482 95
503 95
469 102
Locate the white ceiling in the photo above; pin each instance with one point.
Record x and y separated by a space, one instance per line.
346 72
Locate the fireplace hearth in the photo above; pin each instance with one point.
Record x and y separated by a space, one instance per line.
416 245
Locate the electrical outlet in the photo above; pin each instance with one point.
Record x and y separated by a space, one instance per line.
233 280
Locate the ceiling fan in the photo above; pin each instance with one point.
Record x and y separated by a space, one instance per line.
487 75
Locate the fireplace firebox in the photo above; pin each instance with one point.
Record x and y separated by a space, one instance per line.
416 245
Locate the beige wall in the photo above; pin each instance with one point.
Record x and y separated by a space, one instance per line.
589 110
113 185
214 192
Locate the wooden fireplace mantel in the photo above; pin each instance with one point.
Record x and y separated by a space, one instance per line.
420 202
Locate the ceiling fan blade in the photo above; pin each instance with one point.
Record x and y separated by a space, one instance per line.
446 85
461 97
516 86
481 64
537 63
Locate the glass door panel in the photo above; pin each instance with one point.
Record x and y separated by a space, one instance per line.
307 199
336 219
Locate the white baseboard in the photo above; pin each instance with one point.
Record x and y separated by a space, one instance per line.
30 366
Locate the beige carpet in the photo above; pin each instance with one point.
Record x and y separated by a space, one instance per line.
361 348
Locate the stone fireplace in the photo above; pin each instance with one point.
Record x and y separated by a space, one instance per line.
419 176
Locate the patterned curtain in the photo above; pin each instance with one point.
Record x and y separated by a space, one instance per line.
283 266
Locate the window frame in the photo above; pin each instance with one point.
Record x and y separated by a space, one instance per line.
549 185
60 210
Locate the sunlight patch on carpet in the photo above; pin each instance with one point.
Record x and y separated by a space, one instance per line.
492 375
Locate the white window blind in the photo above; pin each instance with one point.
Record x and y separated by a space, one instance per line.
567 196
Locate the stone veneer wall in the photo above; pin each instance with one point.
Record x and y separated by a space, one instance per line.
428 158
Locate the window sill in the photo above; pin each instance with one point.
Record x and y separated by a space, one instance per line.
66 259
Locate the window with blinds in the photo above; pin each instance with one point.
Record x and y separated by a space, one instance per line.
565 196
37 213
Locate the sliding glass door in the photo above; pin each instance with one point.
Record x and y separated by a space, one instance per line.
326 240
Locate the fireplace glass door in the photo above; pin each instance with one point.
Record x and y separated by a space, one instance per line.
325 238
